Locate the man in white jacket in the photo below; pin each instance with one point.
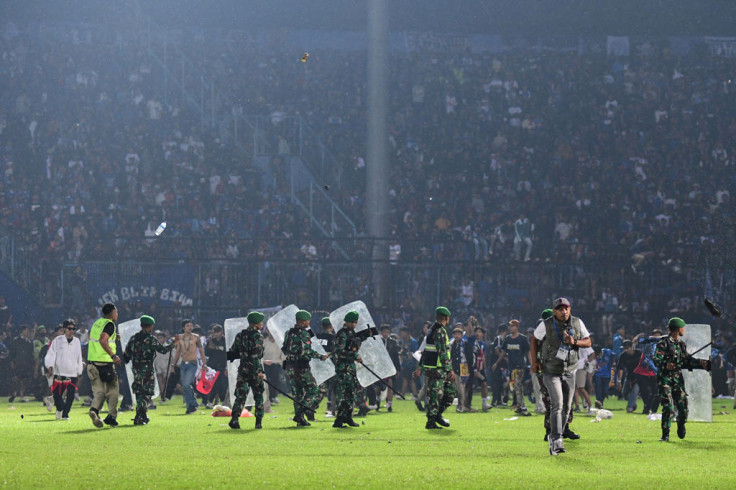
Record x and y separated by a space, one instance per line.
64 362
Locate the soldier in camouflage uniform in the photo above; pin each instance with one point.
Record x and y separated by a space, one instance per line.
141 351
437 367
248 347
671 357
346 355
298 350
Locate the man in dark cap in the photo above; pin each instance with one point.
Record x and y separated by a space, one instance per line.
437 367
626 379
216 353
64 362
141 351
671 358
298 350
392 347
248 347
327 389
345 356
560 336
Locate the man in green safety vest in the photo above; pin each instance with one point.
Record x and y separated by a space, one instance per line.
101 362
437 367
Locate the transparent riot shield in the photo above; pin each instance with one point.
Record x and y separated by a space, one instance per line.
372 350
126 330
283 321
698 381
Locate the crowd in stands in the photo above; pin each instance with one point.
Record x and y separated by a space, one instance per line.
614 171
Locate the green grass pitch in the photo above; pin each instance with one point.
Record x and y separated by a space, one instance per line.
392 450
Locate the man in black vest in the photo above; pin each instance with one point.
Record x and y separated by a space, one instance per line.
562 334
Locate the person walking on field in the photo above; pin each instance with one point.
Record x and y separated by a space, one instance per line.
190 345
671 358
141 351
101 361
437 367
346 345
248 347
562 335
65 365
298 349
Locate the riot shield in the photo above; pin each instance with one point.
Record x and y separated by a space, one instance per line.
372 350
698 381
126 330
281 322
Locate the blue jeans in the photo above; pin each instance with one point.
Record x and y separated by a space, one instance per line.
633 395
186 378
601 387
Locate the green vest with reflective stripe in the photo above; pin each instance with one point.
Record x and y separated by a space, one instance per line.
430 358
95 352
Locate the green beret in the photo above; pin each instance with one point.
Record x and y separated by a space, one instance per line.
255 317
303 315
147 320
351 316
547 313
326 321
40 327
441 310
676 323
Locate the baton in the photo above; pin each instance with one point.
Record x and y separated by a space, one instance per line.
400 395
287 396
706 345
168 371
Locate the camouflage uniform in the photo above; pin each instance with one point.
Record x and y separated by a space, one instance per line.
248 347
440 388
345 354
141 351
298 349
671 384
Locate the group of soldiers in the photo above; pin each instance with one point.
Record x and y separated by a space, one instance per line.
553 357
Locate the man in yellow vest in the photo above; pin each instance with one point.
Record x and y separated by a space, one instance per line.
437 367
101 362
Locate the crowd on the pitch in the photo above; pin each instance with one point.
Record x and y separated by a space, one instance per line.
491 366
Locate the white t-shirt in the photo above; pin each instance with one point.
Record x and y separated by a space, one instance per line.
541 331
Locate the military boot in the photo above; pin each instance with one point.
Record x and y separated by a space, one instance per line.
234 422
310 415
138 420
681 429
258 422
431 424
665 435
338 423
439 420
299 419
569 434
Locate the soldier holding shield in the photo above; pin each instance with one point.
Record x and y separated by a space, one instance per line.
248 347
141 351
298 350
671 358
345 351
